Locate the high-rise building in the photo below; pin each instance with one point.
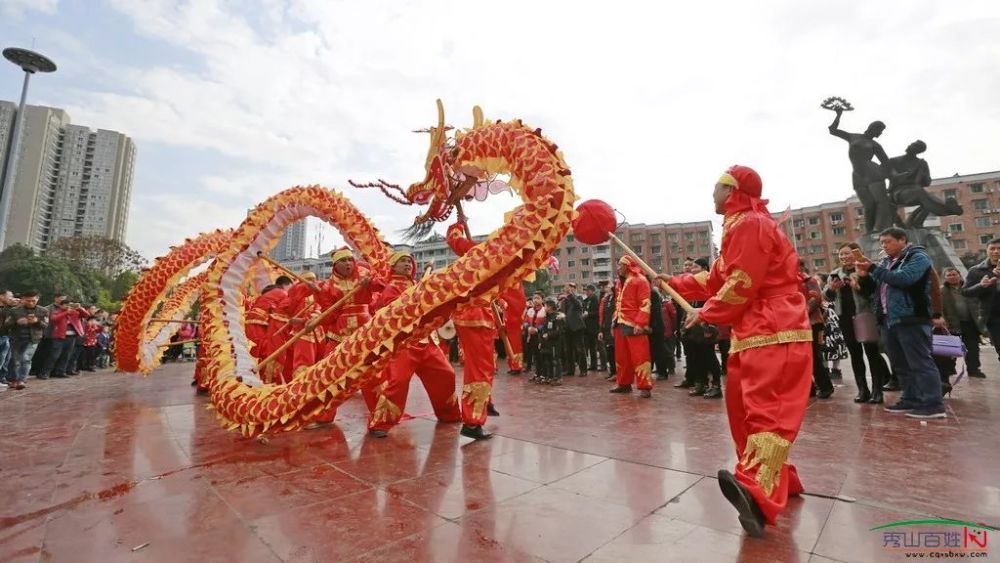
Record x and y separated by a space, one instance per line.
71 180
292 245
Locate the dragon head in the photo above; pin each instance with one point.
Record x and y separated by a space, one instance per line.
444 184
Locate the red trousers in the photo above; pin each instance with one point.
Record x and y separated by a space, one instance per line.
434 371
632 360
257 335
301 354
516 352
767 391
477 347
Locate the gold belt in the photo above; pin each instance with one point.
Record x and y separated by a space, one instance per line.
782 337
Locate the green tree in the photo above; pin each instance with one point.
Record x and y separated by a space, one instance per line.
48 275
542 283
105 255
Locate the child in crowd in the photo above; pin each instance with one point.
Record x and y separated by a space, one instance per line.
550 350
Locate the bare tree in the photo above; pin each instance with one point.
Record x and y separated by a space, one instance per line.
105 255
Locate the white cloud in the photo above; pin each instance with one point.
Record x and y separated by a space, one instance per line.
648 102
16 9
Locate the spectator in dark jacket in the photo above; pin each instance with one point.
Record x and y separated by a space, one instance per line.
961 318
668 316
902 285
657 333
597 360
25 324
606 336
66 330
572 308
981 283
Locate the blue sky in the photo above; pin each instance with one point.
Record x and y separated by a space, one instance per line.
230 102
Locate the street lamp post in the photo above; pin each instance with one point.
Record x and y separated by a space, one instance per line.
30 62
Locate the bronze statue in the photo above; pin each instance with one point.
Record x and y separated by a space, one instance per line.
909 176
868 176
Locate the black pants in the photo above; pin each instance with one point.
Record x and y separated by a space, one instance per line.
88 358
663 358
609 349
74 354
590 346
970 337
548 362
41 358
575 356
820 375
724 346
531 351
702 361
58 356
858 352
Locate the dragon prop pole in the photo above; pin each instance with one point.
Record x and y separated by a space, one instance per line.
277 265
191 321
310 326
650 271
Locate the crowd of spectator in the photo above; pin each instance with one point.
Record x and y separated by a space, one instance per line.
59 340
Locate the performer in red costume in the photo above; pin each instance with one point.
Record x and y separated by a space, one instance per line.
263 323
298 306
476 333
351 315
631 330
513 304
755 287
423 357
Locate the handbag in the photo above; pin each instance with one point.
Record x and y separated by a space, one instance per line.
947 346
865 327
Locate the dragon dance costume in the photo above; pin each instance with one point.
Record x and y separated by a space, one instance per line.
476 333
755 288
425 358
631 328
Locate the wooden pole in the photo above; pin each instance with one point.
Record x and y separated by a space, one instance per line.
284 327
666 287
178 343
311 325
301 279
179 321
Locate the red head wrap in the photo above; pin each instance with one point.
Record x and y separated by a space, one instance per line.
747 188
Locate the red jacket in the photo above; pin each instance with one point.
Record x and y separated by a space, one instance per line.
477 317
633 302
63 317
669 313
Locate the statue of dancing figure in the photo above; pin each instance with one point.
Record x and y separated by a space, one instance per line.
868 177
909 176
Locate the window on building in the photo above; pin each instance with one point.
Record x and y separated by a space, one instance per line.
837 217
798 237
980 204
958 244
951 193
584 249
637 248
672 237
571 263
675 262
976 188
654 238
985 239
956 228
798 223
688 236
859 211
585 262
569 251
815 235
570 238
983 221
818 249
572 276
586 274
814 220
703 235
839 231
819 263
654 250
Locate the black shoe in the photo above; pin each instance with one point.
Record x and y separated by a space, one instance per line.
72 373
713 393
945 389
891 386
58 375
474 432
621 389
41 377
645 393
863 397
592 368
977 374
583 373
491 410
611 377
836 374
376 433
751 517
698 391
684 384
554 382
877 398
825 394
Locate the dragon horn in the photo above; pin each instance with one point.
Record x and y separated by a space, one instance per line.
477 117
437 134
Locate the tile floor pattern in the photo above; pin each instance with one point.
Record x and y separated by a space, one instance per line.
97 465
